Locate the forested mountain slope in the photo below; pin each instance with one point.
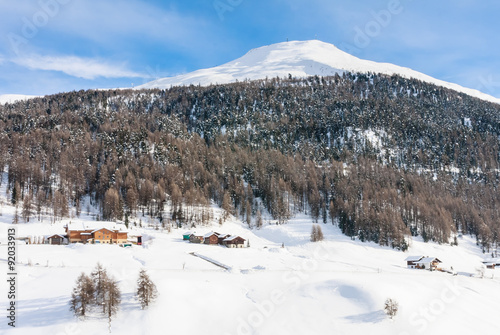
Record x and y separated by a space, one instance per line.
383 157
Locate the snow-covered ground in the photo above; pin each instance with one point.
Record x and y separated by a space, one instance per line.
299 59
281 284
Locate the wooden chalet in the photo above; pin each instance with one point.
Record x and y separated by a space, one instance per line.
211 238
428 263
196 239
222 237
56 239
234 242
99 233
412 260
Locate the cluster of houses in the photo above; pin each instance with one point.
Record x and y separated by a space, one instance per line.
94 233
214 238
424 263
433 263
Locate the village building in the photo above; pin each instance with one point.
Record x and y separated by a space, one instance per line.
56 239
135 239
422 262
196 239
214 238
222 237
412 260
96 232
428 263
491 263
211 238
234 242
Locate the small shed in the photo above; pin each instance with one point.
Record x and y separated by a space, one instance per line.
428 263
186 235
412 260
211 238
23 239
234 242
493 262
56 239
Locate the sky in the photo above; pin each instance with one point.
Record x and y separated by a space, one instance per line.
51 46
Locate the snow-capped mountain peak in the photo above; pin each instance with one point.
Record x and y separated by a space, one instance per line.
298 59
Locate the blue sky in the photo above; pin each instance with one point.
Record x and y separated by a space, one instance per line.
50 46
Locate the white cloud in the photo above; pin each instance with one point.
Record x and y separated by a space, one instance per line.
86 68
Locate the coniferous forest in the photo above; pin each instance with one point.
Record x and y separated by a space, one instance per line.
382 157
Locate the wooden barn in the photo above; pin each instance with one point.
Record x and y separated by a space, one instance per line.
234 242
222 237
211 238
491 263
56 239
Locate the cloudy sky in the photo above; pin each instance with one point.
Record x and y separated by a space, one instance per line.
50 46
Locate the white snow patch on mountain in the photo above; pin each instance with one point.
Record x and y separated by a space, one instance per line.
298 59
11 98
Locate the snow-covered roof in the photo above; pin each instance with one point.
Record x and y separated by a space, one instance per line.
58 235
93 231
96 225
413 258
492 260
210 234
230 238
283 59
187 233
428 260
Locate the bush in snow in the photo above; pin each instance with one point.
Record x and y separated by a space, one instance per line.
391 307
316 233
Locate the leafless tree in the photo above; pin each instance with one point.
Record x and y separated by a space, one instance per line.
146 289
391 307
82 296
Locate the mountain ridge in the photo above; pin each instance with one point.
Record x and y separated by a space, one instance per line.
298 59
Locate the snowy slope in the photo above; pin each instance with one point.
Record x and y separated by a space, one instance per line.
300 59
11 98
337 286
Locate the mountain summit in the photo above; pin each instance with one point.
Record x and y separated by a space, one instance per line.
299 59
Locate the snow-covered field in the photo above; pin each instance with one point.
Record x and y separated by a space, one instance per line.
337 286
